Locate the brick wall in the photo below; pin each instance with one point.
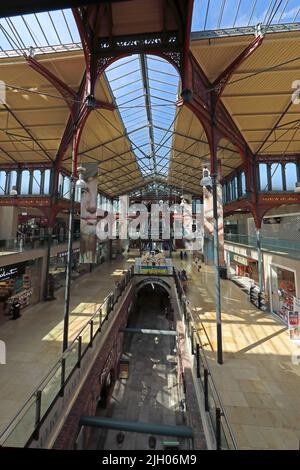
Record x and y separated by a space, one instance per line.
107 360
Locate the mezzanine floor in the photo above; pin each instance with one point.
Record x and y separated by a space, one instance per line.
258 383
34 341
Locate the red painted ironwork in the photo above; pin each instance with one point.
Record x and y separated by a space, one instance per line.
264 203
67 93
221 81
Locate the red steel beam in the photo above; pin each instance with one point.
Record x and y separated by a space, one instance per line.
66 92
220 83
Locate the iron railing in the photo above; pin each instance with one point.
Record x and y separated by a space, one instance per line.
25 425
19 245
213 405
267 243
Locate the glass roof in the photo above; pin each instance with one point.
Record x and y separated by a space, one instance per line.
145 89
217 14
46 32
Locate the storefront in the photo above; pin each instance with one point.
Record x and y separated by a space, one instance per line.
19 283
244 267
31 228
58 267
282 290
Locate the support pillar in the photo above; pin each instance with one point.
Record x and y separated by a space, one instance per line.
70 243
214 176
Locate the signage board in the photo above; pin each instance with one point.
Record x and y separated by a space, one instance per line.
11 271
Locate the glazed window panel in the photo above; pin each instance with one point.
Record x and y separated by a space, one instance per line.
46 189
224 193
263 177
276 177
2 182
243 183
290 176
36 182
234 188
61 184
25 180
228 192
67 188
12 180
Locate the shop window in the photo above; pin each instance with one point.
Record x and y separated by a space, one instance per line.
263 177
25 180
282 291
243 184
276 177
290 176
46 189
2 182
36 182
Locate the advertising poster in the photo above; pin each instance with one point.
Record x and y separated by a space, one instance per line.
294 321
88 215
209 218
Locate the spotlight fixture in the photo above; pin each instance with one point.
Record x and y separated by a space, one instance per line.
206 180
13 191
80 183
31 52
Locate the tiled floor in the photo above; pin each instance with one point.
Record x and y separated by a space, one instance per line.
258 383
34 341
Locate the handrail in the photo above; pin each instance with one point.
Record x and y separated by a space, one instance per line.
214 388
5 433
267 243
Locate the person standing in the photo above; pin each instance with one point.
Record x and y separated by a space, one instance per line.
181 255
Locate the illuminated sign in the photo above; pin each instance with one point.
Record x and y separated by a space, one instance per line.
7 272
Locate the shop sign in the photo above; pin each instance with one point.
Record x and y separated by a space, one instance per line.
13 270
272 220
62 254
241 260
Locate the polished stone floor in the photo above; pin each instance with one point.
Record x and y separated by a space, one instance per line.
34 341
258 382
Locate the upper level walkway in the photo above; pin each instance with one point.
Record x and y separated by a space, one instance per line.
287 248
258 383
34 341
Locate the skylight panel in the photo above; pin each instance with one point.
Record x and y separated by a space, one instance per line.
222 14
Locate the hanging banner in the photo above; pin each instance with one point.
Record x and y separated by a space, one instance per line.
88 215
